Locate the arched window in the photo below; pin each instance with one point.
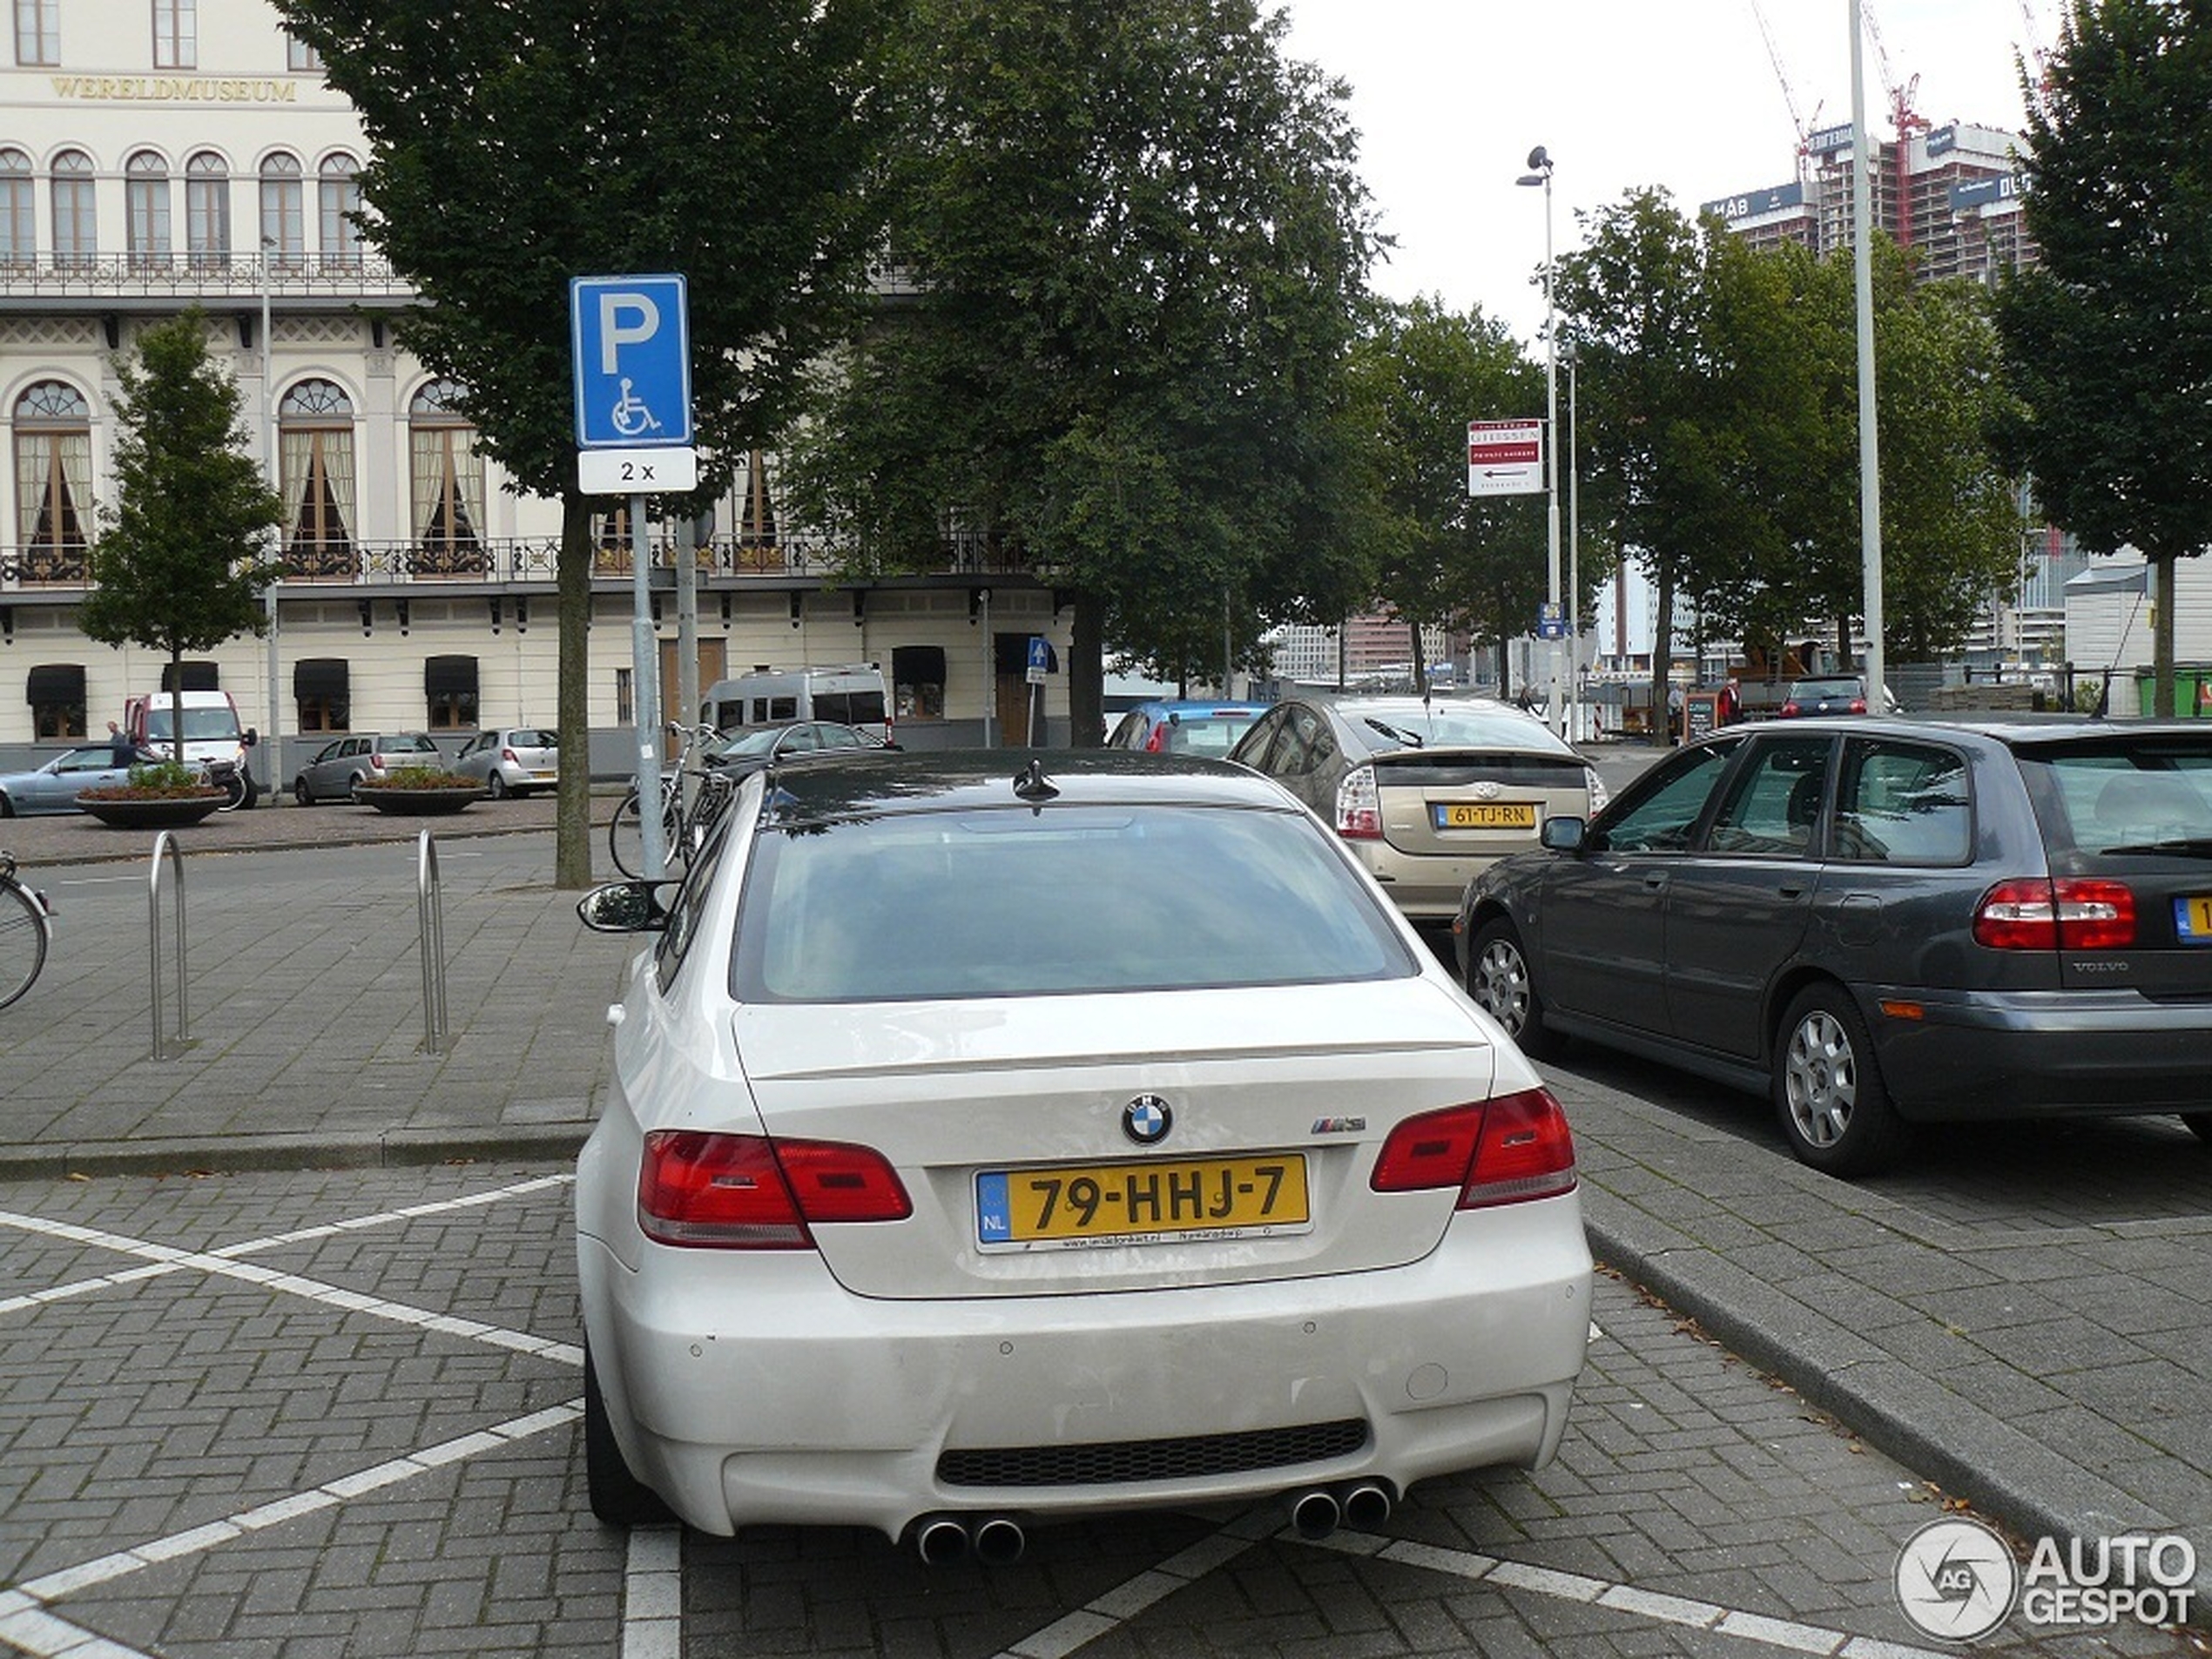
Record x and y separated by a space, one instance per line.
207 211
284 228
53 482
316 477
145 191
447 477
18 210
337 198
76 239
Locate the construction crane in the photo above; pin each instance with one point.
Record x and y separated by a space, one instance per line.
1904 118
1789 94
2032 53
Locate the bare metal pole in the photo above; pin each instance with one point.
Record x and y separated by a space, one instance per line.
1870 466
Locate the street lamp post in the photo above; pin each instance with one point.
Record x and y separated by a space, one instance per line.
274 763
1573 555
1540 173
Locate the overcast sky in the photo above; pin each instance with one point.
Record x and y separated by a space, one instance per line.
1450 96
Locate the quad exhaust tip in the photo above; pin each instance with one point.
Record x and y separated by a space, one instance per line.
994 1541
1318 1512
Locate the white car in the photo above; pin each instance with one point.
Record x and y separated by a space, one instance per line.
989 1147
512 761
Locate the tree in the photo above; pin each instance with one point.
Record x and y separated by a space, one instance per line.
180 564
516 145
1138 246
2108 342
1418 376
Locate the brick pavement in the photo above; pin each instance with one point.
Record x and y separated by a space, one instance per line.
2017 1316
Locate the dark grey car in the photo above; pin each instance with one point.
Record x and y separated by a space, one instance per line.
1881 922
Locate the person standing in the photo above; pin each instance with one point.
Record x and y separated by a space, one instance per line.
122 752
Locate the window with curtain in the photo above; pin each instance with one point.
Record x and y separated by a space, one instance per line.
337 198
77 238
146 188
18 210
316 477
284 227
38 32
446 479
56 691
53 483
207 211
176 34
449 683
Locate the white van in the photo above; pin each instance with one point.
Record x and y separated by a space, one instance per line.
212 730
853 695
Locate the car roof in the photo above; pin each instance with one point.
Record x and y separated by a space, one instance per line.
1202 705
2010 727
844 783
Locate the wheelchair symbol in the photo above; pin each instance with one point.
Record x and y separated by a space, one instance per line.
630 416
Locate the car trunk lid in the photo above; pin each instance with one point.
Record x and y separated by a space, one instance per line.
1475 802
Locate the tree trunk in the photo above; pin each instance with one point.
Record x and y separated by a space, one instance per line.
572 802
1663 653
1087 674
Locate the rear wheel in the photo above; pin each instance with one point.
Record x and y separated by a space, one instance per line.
619 1497
1828 1091
1499 978
499 789
23 941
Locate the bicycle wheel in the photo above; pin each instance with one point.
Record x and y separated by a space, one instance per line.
626 836
23 941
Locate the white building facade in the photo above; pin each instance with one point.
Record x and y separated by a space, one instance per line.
158 153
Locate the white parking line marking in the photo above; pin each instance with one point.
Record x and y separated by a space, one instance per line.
652 1593
27 1626
1105 1613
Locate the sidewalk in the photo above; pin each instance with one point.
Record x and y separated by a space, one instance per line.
2021 1318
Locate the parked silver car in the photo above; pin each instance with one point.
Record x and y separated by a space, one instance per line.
52 788
512 761
341 765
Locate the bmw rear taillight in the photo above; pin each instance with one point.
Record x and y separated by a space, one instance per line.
1506 1150
747 1192
1858 706
2070 912
1360 806
1792 709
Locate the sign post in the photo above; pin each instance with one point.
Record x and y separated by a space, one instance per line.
1039 665
632 349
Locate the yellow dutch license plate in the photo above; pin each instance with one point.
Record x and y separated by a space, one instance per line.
2193 919
1181 1198
1476 815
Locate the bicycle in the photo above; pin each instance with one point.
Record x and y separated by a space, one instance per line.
682 832
26 927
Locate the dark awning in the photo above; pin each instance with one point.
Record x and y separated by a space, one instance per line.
449 677
199 677
320 676
57 683
918 665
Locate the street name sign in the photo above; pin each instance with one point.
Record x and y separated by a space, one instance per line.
1505 457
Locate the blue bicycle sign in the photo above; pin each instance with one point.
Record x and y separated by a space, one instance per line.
631 340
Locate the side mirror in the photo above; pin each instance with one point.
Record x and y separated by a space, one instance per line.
1562 834
625 907
251 737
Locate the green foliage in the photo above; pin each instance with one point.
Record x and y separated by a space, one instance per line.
421 777
1418 375
2109 343
1137 244
178 565
166 778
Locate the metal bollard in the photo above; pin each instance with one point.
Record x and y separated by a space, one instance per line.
430 912
165 847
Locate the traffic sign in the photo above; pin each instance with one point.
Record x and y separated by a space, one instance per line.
1505 457
630 338
1040 660
638 472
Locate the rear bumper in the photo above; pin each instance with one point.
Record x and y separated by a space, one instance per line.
798 1402
1986 1055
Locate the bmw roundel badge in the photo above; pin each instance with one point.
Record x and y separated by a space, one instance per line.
1147 1120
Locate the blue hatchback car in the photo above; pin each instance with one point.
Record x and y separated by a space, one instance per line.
1185 726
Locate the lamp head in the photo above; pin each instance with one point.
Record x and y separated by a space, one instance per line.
1540 160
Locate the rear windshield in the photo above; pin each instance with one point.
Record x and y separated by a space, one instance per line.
1010 902
417 745
1206 734
1449 725
2123 794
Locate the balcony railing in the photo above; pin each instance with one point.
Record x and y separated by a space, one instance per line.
184 276
520 560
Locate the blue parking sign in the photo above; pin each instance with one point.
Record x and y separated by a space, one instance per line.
633 350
